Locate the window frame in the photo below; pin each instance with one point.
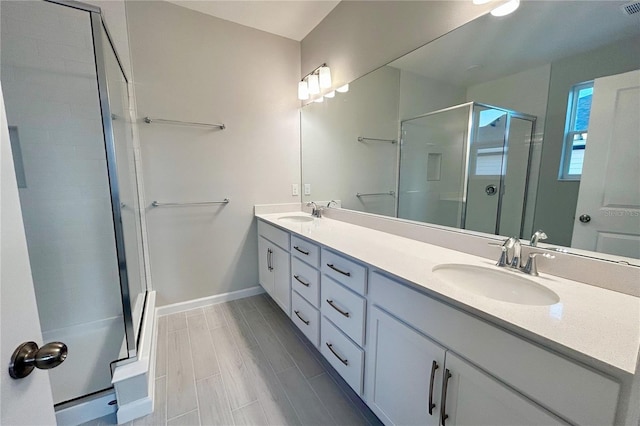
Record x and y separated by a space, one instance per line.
569 134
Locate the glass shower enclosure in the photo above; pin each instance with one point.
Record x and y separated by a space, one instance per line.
463 167
67 101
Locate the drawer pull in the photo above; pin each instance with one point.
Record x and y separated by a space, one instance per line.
330 302
269 253
300 281
434 367
443 414
302 319
306 253
330 265
342 360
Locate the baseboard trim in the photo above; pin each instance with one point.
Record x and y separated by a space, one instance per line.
209 300
87 409
134 410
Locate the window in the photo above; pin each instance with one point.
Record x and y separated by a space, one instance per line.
575 135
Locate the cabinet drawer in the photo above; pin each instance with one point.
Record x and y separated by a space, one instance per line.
306 281
306 317
573 391
273 234
345 308
346 357
345 271
306 251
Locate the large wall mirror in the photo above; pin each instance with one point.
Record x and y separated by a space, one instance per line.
503 126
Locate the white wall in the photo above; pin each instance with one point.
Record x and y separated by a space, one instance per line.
335 163
194 67
420 95
359 36
51 96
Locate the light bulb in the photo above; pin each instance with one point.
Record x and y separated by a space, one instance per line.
303 91
481 1
320 99
330 94
314 84
507 8
343 89
325 77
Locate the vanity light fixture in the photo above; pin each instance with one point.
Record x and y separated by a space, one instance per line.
330 94
303 91
324 74
314 82
506 8
320 99
343 89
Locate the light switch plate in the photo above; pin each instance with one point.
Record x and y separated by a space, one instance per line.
294 189
307 189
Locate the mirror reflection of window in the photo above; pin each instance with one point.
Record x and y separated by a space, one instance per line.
575 138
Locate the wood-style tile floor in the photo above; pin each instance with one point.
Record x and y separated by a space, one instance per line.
245 363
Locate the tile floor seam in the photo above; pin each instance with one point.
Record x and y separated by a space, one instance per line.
195 384
224 387
284 390
183 414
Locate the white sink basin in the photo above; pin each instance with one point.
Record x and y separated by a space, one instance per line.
496 284
296 219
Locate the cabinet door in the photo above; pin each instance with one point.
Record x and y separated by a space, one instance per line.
400 367
264 265
474 398
281 264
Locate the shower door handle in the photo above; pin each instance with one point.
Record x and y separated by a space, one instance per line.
28 356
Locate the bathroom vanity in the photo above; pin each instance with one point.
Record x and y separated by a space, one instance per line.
422 346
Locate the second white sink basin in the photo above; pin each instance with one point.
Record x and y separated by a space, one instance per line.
496 284
296 219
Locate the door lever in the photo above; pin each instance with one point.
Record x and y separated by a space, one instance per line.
28 356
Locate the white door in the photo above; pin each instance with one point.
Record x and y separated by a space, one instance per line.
281 263
26 401
404 373
470 397
608 210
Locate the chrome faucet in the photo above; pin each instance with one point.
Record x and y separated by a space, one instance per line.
517 253
334 202
508 245
531 267
316 211
538 235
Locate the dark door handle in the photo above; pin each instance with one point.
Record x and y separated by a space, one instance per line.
330 265
434 367
443 414
585 218
306 253
300 281
28 356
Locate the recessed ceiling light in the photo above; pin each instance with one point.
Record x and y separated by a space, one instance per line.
506 8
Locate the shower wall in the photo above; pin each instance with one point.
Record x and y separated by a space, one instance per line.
49 78
48 74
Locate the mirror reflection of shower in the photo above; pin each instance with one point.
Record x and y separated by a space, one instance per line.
468 167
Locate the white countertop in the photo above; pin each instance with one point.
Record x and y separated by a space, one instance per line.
590 323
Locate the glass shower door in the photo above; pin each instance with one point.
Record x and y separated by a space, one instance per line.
486 169
432 167
53 78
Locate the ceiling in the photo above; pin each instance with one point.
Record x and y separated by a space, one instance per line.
292 19
539 32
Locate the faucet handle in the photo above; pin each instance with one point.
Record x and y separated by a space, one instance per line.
504 255
531 267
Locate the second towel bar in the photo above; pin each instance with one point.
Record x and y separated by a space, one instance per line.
204 203
360 194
